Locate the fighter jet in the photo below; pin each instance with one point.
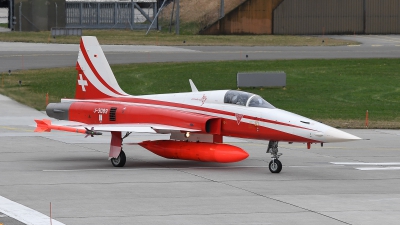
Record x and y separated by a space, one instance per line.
197 121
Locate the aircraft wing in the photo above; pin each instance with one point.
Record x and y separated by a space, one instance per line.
46 126
137 128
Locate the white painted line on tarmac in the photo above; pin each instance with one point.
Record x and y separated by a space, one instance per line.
353 45
313 166
24 214
376 45
367 164
378 168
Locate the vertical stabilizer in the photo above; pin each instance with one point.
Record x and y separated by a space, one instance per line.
95 78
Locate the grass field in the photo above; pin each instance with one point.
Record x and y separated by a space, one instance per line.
122 37
337 92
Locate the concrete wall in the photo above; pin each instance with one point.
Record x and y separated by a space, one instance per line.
305 17
337 17
382 17
318 17
251 17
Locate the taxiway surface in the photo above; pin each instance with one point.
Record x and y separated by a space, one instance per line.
344 183
17 56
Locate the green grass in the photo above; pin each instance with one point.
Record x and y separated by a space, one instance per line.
5 25
122 37
335 91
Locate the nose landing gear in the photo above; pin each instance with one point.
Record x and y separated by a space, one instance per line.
275 166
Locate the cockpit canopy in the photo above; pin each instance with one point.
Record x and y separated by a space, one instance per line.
246 99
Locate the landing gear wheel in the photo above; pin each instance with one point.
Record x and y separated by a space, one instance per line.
275 166
120 160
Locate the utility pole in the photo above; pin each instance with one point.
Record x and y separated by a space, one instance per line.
56 13
20 16
11 14
177 18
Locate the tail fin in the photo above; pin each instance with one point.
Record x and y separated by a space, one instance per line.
95 78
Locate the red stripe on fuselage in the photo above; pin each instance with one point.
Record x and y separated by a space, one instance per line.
82 111
89 62
184 106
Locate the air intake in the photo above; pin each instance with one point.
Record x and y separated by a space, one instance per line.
113 114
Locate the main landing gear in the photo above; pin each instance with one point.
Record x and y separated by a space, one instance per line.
275 166
121 159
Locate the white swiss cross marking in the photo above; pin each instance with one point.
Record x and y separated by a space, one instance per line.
82 82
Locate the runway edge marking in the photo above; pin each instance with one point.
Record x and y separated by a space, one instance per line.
24 214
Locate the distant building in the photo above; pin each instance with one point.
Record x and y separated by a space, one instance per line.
38 15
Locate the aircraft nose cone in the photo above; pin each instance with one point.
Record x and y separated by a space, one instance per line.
335 135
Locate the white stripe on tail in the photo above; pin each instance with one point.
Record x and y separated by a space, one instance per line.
95 78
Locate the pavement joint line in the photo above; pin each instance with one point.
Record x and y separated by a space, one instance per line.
24 214
221 181
287 203
181 168
201 214
161 168
264 196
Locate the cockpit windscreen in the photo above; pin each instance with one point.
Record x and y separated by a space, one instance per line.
257 101
246 99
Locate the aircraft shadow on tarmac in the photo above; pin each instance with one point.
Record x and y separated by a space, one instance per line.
97 162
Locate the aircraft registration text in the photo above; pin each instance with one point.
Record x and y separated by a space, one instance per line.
100 110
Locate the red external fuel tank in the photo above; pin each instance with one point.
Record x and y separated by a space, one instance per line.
197 151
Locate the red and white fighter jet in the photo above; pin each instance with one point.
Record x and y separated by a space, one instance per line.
197 121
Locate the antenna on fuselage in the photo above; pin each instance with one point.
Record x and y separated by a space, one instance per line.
194 88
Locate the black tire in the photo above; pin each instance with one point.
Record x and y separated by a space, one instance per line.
120 160
275 166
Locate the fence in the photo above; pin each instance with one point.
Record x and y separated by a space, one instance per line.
106 15
37 15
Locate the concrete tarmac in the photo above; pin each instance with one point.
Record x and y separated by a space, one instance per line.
342 183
